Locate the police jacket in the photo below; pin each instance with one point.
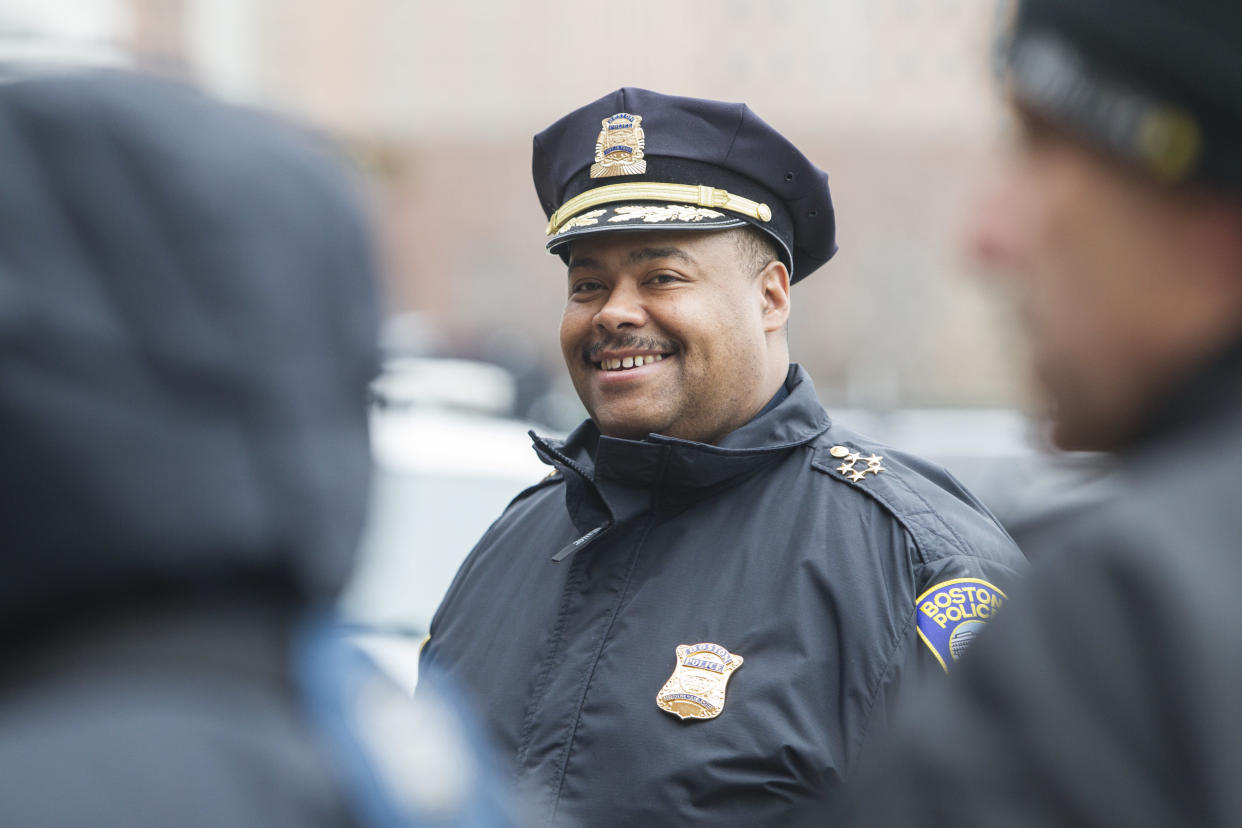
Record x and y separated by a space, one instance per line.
669 633
1107 692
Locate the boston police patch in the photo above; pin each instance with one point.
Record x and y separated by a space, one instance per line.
952 613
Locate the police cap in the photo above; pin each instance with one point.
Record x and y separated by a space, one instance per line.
641 160
1157 83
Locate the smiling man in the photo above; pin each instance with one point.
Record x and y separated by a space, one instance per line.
667 333
707 609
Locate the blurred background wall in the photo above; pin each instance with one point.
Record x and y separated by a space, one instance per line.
437 101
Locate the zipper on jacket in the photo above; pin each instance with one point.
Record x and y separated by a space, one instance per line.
582 542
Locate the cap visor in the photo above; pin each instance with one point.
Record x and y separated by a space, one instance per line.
641 216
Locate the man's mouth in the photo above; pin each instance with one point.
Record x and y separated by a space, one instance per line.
628 362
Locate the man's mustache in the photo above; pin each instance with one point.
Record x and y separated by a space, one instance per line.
621 343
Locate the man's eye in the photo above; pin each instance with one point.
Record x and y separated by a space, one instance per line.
585 287
664 278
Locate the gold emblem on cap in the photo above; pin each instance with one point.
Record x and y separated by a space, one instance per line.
584 220
619 148
696 690
850 467
653 214
647 213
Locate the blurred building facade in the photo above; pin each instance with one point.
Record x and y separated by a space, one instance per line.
438 102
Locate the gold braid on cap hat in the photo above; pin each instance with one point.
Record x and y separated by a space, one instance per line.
647 191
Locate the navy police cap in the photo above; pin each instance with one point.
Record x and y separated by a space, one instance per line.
640 160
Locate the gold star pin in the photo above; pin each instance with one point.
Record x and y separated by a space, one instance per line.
850 467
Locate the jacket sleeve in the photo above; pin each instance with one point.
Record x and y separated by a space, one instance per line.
954 598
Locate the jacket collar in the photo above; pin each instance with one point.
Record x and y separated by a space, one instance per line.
671 463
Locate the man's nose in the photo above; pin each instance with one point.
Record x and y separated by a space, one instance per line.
623 309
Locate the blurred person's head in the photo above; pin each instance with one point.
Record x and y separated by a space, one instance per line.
683 223
1114 216
187 330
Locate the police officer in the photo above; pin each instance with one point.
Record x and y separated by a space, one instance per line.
1107 692
707 608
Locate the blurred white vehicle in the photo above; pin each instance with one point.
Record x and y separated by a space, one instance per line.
444 470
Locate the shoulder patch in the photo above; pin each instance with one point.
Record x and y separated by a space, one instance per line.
951 613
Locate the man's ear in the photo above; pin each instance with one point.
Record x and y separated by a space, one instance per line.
773 283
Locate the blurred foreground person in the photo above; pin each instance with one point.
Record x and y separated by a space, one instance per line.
705 612
187 330
1107 693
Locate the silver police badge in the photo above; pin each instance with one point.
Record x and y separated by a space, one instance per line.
696 690
619 148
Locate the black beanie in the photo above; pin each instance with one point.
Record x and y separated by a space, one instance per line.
1157 83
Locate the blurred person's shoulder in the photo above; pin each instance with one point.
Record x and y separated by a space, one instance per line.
150 721
1172 518
403 759
1174 496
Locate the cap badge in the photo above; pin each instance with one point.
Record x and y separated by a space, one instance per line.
850 467
619 148
696 690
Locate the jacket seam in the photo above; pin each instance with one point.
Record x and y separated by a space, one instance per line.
555 644
961 545
909 623
567 751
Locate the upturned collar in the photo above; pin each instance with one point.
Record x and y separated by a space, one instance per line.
628 473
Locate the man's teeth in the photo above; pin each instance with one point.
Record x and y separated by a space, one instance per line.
629 362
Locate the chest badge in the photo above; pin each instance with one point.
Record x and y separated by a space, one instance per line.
696 690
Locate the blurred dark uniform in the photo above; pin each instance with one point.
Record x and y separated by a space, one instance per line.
1107 693
666 632
187 331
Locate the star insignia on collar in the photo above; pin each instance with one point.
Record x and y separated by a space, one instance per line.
850 466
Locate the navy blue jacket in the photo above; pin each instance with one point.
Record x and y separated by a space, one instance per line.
1108 693
767 546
